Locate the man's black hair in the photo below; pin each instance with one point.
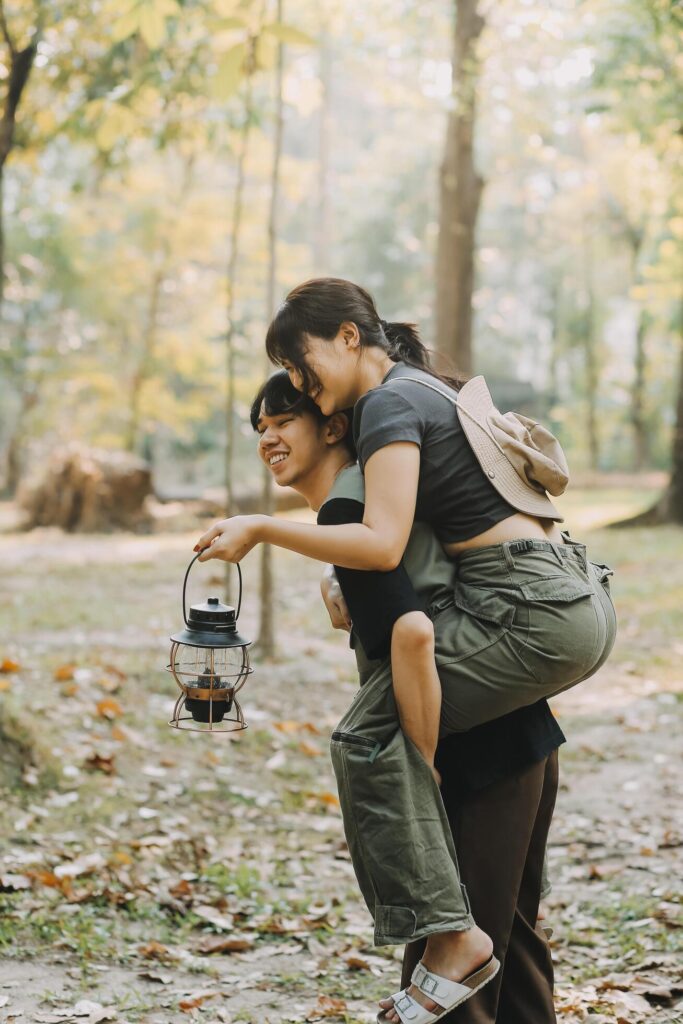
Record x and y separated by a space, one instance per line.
278 395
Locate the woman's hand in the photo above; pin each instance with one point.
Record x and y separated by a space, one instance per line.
334 600
230 539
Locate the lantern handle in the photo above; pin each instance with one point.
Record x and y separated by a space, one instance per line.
187 573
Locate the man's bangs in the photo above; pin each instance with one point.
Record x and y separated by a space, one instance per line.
278 396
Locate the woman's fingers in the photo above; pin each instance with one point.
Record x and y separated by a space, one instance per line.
207 537
211 551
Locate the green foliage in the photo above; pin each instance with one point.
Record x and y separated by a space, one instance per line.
118 206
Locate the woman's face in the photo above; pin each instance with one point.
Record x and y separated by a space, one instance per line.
335 364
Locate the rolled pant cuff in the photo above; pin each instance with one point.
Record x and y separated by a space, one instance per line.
396 926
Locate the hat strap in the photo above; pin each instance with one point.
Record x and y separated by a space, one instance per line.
459 408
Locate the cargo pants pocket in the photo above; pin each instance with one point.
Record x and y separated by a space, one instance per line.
563 637
477 619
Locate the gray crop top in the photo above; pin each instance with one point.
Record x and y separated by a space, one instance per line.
453 494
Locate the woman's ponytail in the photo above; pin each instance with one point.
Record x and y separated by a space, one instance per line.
405 345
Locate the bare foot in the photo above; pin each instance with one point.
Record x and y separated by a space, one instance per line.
453 955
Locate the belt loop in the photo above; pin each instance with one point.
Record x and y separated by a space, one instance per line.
558 553
507 554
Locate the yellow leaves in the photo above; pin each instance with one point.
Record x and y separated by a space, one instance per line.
230 70
152 25
116 122
144 17
109 708
289 34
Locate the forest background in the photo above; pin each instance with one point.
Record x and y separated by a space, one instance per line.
508 175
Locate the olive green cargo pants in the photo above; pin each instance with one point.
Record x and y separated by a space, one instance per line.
523 620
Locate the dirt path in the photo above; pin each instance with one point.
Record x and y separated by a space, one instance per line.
140 850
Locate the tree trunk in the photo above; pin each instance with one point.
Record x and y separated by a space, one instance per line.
321 249
460 196
20 63
641 446
669 507
267 629
14 454
238 205
142 369
675 492
590 352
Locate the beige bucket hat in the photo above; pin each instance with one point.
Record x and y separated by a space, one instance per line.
520 456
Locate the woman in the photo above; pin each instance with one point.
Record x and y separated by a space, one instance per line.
518 609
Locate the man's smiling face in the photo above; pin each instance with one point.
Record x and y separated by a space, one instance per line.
290 444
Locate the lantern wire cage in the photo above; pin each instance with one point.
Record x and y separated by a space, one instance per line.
212 675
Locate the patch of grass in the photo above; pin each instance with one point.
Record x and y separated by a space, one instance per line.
244 881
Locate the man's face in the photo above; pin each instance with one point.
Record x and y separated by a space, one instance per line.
291 445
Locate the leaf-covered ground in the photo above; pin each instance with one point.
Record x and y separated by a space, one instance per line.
155 876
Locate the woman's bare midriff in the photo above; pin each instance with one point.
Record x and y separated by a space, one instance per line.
516 527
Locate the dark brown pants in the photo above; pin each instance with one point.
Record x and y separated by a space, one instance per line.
500 835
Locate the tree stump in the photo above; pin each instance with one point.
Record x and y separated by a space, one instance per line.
89 491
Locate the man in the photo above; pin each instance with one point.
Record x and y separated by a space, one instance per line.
499 780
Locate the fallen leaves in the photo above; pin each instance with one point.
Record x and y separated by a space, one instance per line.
327 1007
9 665
157 951
109 708
105 763
194 1001
219 944
65 673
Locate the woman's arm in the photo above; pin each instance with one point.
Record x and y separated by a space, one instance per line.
378 543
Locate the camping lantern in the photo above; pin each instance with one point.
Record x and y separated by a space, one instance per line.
210 663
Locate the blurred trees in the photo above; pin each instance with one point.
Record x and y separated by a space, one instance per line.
119 199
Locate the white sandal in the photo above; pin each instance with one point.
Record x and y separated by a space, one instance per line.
448 994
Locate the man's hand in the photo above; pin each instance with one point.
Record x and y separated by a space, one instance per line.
334 600
230 539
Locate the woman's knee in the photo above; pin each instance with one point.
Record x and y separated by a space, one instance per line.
413 632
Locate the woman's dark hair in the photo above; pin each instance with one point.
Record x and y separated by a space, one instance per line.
319 307
278 395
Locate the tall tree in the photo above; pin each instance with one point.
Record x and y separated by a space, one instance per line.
267 629
250 67
460 193
20 59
